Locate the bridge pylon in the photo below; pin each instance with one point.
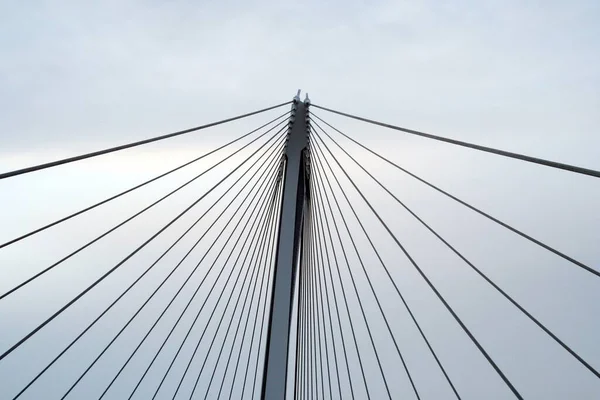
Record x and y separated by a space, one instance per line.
287 257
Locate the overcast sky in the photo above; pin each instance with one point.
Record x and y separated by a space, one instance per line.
522 76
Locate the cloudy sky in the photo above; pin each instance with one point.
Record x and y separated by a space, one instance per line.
522 76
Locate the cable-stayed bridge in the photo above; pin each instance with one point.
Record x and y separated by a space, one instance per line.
290 292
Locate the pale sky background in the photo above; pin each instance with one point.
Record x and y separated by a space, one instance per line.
78 76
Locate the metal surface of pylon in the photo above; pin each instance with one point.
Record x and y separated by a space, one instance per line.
290 223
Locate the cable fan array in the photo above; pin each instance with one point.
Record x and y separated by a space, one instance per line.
226 292
345 348
192 322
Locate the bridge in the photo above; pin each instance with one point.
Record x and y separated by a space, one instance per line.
298 276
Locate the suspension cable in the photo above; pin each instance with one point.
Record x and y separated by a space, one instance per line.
42 272
260 200
298 290
412 261
270 263
261 212
316 276
254 242
307 372
264 247
155 262
105 275
315 344
165 309
276 150
370 286
267 298
319 216
251 273
310 385
390 276
322 282
479 272
68 217
522 157
473 208
299 364
259 188
385 319
316 328
130 145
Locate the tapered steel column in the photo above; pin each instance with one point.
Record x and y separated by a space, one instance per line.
278 333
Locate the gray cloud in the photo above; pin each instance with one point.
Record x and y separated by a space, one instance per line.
76 76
